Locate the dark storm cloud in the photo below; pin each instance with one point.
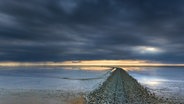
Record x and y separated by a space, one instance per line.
57 30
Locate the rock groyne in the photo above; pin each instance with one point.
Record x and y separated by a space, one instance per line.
121 88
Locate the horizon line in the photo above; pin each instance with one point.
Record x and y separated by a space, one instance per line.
105 63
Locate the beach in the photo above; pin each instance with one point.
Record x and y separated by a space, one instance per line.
40 97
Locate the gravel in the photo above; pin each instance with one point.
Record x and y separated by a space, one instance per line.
121 88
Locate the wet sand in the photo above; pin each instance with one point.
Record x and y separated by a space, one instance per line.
40 97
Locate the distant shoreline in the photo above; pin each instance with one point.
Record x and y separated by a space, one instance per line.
92 65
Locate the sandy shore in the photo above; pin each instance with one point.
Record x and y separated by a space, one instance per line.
40 97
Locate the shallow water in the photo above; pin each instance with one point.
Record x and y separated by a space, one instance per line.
56 78
165 81
161 80
61 85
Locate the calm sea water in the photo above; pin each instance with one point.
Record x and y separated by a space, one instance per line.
56 78
163 80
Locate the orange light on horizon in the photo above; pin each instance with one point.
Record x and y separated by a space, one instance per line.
109 63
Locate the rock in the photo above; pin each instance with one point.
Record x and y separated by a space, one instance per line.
120 88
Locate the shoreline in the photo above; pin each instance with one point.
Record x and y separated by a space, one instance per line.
30 96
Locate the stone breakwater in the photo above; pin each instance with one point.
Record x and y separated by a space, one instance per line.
121 88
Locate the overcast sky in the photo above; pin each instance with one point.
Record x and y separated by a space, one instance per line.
59 30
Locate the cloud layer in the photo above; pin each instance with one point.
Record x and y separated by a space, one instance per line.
59 30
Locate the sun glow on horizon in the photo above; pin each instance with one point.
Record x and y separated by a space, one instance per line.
91 63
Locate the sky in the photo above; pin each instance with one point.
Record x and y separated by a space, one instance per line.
61 30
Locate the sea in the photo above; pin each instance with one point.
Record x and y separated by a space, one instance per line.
163 81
